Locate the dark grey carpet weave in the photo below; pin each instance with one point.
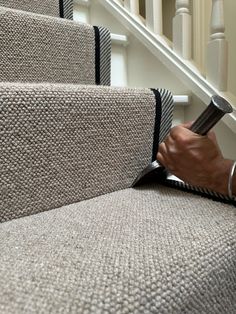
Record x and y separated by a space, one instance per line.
45 7
145 250
61 144
36 48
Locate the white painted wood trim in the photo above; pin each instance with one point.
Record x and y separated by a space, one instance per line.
217 49
182 100
182 29
119 39
85 3
201 20
158 17
154 19
132 6
183 69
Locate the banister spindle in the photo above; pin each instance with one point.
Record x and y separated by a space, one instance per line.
217 48
154 20
182 29
132 6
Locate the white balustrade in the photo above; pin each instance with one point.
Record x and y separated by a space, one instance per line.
132 6
217 50
154 13
182 29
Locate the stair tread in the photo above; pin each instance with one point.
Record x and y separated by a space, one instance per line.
37 48
149 249
45 7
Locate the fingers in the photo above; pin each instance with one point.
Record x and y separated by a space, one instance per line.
188 155
212 136
162 154
174 146
164 157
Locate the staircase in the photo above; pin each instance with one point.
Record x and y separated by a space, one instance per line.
74 237
183 54
147 59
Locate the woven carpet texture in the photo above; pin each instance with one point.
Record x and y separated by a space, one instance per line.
36 48
61 144
83 241
146 250
55 8
46 7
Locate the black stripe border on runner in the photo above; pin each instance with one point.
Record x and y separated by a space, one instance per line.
61 8
157 126
97 56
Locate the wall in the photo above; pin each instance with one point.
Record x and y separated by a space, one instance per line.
145 70
230 26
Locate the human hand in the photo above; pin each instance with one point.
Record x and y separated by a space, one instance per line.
195 159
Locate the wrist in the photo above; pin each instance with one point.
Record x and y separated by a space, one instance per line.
221 177
232 181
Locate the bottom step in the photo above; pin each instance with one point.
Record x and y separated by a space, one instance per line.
146 250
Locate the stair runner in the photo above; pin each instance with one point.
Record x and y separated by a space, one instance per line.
37 48
57 8
146 250
61 144
152 249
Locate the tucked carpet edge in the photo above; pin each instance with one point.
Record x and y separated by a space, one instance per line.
66 9
105 56
61 8
97 55
157 126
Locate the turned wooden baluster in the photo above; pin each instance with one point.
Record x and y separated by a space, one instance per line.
154 20
217 49
182 29
132 6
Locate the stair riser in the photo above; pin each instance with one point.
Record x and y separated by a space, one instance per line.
57 8
63 144
35 48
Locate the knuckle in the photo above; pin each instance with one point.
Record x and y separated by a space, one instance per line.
174 131
180 136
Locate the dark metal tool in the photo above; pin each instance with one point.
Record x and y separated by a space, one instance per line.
204 123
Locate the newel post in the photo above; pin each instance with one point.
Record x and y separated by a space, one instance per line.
217 49
132 6
182 29
154 19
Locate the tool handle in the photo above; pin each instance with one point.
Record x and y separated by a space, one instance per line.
211 115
